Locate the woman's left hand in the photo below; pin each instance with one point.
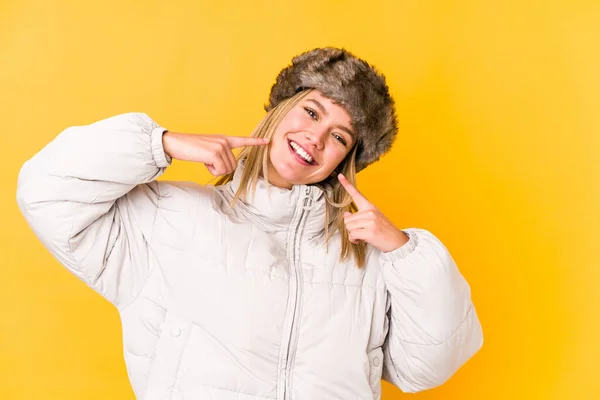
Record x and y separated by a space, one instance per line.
369 224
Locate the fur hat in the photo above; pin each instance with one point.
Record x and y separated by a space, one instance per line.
351 83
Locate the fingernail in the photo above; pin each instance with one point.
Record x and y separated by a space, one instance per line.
342 175
266 140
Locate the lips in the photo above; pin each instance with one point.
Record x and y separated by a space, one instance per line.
298 156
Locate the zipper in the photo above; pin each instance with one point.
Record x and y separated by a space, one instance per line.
295 288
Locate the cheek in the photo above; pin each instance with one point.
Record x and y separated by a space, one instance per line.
279 150
334 158
290 124
294 121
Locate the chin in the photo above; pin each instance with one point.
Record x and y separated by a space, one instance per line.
284 175
292 179
285 172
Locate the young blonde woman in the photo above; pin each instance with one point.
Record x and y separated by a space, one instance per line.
281 281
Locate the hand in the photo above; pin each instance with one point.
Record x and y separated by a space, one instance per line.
214 151
369 224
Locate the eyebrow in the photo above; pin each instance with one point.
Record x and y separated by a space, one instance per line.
324 111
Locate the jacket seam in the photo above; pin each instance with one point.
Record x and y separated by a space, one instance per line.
150 253
153 356
400 381
75 262
469 312
346 285
198 199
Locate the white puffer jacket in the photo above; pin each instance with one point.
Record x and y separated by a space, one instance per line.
247 306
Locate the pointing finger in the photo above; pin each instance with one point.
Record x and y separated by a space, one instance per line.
242 141
360 200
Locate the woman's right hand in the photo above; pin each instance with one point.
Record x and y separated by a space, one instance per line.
214 151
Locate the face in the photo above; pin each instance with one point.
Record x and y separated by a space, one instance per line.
310 142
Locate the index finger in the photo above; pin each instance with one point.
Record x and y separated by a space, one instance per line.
242 141
360 200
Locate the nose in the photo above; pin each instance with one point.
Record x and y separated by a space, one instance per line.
316 137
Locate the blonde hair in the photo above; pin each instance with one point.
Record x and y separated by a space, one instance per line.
337 198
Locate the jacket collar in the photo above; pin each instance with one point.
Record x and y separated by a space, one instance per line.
272 208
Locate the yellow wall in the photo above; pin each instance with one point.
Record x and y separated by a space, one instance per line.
498 104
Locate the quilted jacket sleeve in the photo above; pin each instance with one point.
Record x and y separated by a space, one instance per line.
433 327
88 198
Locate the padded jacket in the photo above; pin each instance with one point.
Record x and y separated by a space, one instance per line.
247 303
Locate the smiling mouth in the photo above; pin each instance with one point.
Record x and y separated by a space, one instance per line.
300 154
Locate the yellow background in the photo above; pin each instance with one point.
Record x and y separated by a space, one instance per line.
498 155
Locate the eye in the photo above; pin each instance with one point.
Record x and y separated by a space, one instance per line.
340 139
312 113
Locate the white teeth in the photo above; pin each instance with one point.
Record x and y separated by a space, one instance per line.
302 153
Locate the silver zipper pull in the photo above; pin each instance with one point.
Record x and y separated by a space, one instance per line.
308 200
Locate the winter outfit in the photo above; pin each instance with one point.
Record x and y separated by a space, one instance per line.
248 305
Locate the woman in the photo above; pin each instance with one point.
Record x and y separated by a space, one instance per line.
281 281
